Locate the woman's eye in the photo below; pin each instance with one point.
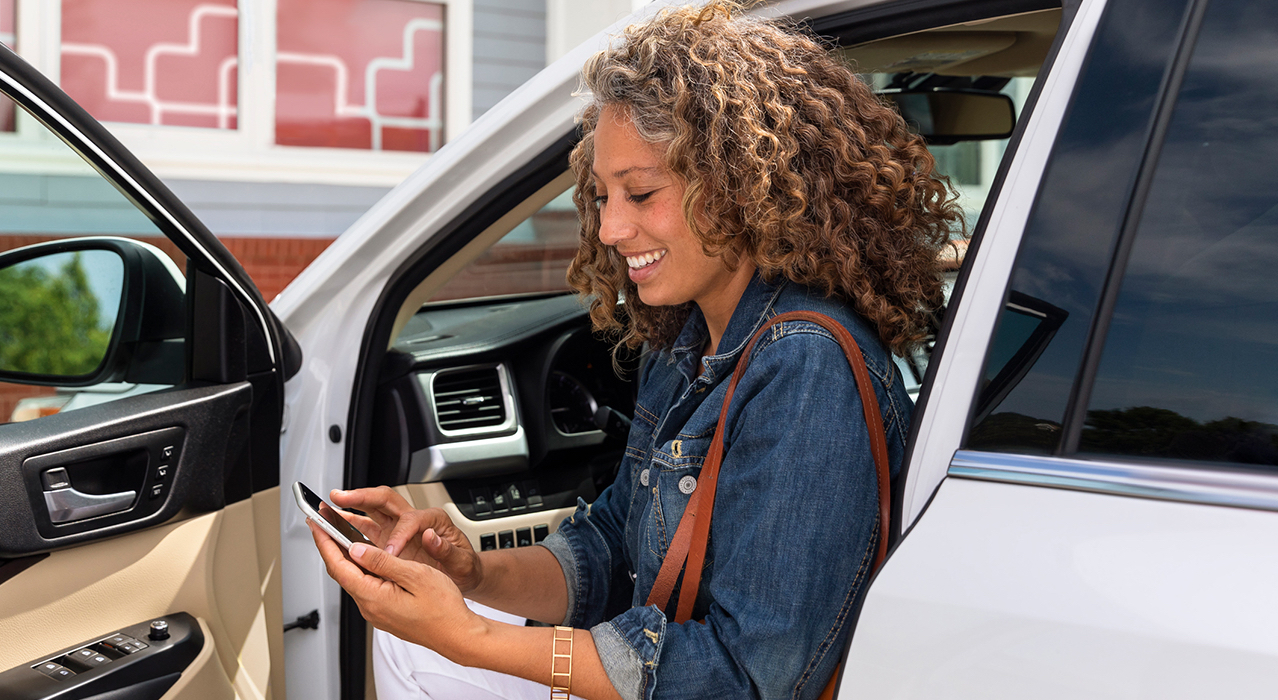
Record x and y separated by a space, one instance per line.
600 201
640 198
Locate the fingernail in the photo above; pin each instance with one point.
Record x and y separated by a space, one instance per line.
390 549
357 550
434 537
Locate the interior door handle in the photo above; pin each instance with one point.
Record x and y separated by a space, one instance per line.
68 504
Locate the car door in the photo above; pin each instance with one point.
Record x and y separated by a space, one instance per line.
139 546
1090 509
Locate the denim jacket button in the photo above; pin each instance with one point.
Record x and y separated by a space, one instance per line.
643 477
687 485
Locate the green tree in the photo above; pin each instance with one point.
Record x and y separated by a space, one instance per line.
1159 432
50 322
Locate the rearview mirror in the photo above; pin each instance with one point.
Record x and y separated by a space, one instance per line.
946 116
83 311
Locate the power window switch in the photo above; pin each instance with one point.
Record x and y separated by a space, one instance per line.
166 453
55 670
487 542
533 494
162 472
55 479
482 501
506 539
541 532
500 502
131 647
523 537
116 641
515 496
89 657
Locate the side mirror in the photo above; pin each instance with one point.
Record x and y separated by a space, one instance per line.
83 311
946 116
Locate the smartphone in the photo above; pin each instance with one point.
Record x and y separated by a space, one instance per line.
327 518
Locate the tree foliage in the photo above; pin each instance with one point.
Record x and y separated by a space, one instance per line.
1158 432
49 321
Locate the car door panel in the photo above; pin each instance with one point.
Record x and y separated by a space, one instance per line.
1053 594
200 565
205 418
131 662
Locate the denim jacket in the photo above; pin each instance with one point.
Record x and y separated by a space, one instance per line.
794 530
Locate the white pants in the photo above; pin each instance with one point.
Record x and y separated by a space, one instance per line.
405 671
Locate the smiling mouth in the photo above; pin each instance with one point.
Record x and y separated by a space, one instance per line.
641 261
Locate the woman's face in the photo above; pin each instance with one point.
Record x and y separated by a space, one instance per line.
641 215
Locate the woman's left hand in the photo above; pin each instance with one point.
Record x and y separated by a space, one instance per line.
412 601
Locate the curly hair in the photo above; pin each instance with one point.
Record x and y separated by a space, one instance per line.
787 159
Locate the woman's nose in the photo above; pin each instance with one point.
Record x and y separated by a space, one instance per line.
614 226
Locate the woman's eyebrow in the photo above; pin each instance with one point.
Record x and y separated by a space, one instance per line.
633 169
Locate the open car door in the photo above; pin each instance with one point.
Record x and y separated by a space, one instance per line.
139 507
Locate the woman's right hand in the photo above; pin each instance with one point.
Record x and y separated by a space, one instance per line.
427 536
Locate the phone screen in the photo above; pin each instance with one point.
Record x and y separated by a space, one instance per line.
327 513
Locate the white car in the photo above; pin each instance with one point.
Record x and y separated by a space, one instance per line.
1087 508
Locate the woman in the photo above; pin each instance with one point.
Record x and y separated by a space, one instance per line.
730 170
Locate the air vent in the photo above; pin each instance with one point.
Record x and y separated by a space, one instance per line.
469 399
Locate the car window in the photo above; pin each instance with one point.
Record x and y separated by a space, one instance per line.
1190 364
533 257
49 193
1067 247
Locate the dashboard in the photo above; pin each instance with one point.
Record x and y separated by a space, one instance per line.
498 401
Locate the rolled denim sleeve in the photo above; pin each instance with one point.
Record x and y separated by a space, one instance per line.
791 547
588 545
629 644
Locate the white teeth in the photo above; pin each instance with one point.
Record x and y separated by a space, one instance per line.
637 261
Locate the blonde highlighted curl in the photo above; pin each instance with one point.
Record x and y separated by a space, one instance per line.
792 161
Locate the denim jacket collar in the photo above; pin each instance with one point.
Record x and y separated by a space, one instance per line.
752 310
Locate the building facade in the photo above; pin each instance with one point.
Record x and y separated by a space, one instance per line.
279 122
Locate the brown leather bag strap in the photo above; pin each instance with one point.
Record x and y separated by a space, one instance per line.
691 537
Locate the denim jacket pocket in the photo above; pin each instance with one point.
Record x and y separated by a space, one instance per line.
673 475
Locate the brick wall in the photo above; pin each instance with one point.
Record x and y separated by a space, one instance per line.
11 394
271 262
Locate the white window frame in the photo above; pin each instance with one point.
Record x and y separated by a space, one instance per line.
249 153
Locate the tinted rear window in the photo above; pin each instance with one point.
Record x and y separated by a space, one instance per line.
1190 365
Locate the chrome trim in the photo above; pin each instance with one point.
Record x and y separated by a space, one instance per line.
427 381
68 504
1188 484
470 458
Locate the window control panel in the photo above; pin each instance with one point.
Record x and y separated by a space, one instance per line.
158 647
509 539
55 670
506 499
113 648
